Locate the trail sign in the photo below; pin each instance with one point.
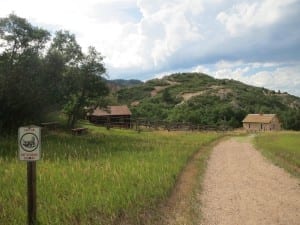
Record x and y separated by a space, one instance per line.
29 140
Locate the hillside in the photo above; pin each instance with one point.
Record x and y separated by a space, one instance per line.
201 99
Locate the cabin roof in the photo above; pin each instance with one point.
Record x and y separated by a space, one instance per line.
121 110
259 118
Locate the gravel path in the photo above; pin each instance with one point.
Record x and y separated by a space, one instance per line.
242 188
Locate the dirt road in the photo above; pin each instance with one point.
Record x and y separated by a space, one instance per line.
242 188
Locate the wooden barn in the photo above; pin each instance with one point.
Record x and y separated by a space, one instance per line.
261 122
112 116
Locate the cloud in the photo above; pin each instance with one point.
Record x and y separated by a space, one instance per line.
164 28
283 78
269 75
247 15
253 41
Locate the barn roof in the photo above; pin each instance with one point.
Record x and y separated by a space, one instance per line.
121 110
259 118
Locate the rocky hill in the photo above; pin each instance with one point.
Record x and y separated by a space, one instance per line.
201 99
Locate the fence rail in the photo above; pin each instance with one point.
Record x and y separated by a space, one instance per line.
143 124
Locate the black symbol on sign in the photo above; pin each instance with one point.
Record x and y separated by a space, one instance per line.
29 142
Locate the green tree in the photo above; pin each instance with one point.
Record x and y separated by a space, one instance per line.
32 83
87 84
62 64
167 97
83 84
65 45
22 99
19 36
291 119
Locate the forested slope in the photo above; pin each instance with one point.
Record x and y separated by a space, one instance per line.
201 99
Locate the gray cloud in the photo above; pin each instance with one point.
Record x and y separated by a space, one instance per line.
141 38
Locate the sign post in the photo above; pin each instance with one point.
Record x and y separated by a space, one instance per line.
31 192
29 140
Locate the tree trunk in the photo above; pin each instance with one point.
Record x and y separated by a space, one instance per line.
73 121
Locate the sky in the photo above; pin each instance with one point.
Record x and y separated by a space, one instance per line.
253 41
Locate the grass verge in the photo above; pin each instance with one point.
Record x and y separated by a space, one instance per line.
282 148
105 177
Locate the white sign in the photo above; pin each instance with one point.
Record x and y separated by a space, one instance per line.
29 140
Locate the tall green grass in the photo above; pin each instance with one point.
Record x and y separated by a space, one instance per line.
101 178
283 148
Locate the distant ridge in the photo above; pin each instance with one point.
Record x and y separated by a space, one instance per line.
117 84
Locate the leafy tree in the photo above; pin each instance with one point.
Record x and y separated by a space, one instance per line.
167 97
19 36
82 79
62 64
65 45
21 71
291 119
32 82
87 85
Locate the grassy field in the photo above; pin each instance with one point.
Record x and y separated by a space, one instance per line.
101 178
283 148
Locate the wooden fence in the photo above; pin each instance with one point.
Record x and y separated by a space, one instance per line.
139 124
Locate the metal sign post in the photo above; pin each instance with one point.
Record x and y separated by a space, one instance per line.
29 140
